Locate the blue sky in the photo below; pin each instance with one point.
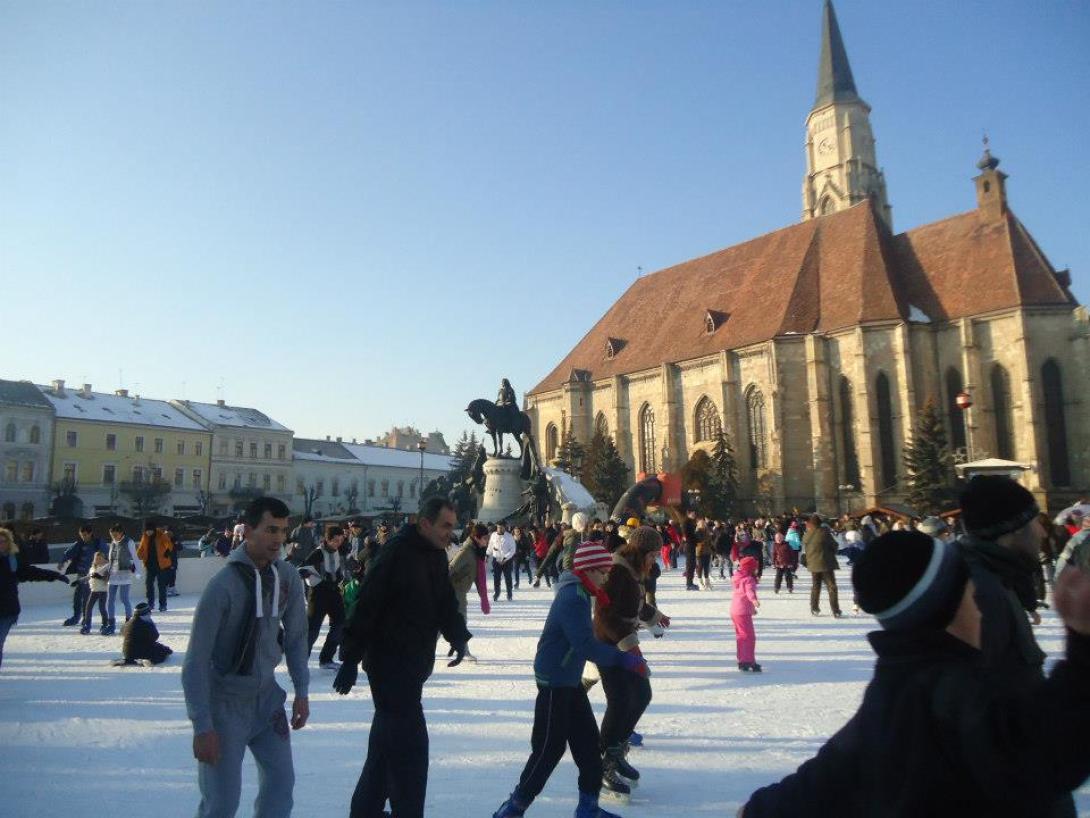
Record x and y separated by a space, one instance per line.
352 215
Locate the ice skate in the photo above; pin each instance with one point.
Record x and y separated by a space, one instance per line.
511 808
588 808
613 783
614 759
636 739
334 666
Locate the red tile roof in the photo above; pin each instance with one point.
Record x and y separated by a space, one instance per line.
820 275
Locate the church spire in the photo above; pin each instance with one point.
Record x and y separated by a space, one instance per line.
835 81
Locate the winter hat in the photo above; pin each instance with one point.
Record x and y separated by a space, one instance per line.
908 580
632 522
579 521
591 555
993 506
748 565
141 609
646 539
932 526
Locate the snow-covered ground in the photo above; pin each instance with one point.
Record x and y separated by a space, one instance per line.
79 735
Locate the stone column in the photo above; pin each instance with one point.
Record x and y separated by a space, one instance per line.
821 423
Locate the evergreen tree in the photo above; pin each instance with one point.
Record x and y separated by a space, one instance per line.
723 488
697 481
569 453
604 472
929 464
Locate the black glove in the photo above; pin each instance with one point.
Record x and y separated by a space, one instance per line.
459 649
58 577
74 581
346 677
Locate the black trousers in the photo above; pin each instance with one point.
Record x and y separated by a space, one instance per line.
158 579
521 562
497 571
690 564
562 717
705 563
397 749
325 600
92 598
627 697
829 578
781 575
79 599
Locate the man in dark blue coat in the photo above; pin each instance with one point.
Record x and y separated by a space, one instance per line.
77 560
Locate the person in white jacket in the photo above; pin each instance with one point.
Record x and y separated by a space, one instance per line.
501 548
124 565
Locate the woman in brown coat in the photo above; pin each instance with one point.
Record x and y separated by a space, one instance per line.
627 694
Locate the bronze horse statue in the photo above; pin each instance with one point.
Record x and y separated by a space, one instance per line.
499 421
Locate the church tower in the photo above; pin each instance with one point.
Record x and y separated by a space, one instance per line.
841 167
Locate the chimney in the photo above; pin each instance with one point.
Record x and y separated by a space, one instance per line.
221 402
338 439
136 399
86 391
58 388
122 393
353 440
327 437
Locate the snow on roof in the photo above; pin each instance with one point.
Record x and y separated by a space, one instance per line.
106 408
404 458
240 416
321 450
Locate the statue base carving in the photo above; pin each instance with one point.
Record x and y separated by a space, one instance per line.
502 489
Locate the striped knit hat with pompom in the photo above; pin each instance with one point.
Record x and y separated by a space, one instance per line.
591 555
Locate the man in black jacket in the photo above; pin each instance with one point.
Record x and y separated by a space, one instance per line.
77 560
405 601
324 571
937 734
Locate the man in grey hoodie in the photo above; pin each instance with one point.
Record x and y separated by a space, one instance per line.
231 693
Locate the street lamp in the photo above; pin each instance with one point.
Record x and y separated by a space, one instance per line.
963 400
421 445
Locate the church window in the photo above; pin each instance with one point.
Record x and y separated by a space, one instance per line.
1059 465
552 441
955 416
826 206
755 417
1001 405
601 425
713 320
707 423
613 346
850 470
887 459
647 439
9 433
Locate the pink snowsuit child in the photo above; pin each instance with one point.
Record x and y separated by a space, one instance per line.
743 604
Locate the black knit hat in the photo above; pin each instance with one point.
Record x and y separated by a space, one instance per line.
910 581
143 609
992 506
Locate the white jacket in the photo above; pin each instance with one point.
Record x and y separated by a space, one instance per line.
501 547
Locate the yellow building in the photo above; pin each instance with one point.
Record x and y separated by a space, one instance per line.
109 445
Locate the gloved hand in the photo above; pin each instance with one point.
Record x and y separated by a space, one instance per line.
58 577
664 620
459 649
346 677
635 663
74 581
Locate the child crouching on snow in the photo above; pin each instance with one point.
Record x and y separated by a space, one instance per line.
743 605
139 637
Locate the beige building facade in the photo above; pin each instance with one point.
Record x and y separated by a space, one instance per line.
814 346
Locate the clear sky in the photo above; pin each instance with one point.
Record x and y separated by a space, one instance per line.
352 215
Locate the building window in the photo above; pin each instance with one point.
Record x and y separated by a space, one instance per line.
850 472
238 448
156 473
887 454
11 472
111 443
400 488
385 488
551 442
222 482
300 486
281 452
281 482
71 439
158 445
601 425
1059 465
251 479
198 448
71 473
647 439
755 417
708 425
253 450
138 474
238 480
223 448
9 511
28 511
139 443
1001 405
268 451
336 487
197 481
181 447
109 475
9 437
28 472
179 478
412 490
955 416
320 488
370 488
266 482
35 437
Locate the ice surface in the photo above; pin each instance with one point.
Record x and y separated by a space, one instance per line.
78 734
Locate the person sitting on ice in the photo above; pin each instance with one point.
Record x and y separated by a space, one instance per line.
936 734
140 643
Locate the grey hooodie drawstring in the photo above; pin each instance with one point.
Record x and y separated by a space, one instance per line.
259 612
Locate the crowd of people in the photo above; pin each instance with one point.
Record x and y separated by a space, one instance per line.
959 695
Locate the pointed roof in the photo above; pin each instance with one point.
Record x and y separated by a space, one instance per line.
835 81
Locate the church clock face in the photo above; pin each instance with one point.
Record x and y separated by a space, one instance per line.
825 146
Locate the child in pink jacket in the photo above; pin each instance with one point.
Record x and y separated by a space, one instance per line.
743 605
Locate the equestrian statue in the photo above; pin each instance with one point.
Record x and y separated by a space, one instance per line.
505 418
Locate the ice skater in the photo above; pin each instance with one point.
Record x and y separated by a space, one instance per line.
13 570
743 605
140 640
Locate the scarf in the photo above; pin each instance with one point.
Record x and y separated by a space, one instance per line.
599 594
1014 569
243 663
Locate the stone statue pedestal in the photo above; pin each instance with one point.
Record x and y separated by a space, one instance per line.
502 489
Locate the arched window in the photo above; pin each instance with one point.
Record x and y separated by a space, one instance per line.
887 461
827 206
1059 464
850 471
647 439
755 417
9 433
601 425
708 425
35 434
954 415
552 441
1001 405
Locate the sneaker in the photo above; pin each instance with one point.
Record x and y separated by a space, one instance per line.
172 592
329 665
70 621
